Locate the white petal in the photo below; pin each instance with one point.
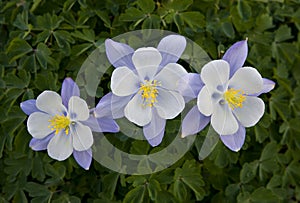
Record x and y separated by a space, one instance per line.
82 137
170 75
223 120
169 104
204 102
146 62
60 146
246 79
38 125
137 112
124 82
215 73
50 102
78 109
252 110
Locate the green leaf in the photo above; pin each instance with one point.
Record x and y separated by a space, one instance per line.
35 4
110 183
261 133
152 22
37 168
46 81
264 195
104 16
147 6
132 14
21 81
21 21
180 190
268 161
68 4
244 9
63 38
193 19
228 29
283 33
248 171
77 50
86 34
48 22
37 190
190 176
42 55
18 48
177 5
20 197
264 22
135 195
153 187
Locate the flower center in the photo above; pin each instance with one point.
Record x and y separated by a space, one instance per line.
234 98
149 91
59 123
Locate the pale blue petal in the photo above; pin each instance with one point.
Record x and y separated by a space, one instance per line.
157 140
118 105
108 125
29 107
69 89
236 55
235 141
83 158
193 122
171 47
119 54
155 130
103 107
40 144
112 106
268 85
156 125
190 85
103 124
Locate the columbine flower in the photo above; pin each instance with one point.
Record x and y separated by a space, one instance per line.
61 124
144 84
227 97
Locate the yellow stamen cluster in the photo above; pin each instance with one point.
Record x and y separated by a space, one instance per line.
234 98
60 122
149 91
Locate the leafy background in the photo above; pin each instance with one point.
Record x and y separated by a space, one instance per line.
44 41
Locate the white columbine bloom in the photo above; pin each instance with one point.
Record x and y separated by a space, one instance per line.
230 101
152 88
63 123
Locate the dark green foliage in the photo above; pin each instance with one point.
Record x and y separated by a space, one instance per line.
44 41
